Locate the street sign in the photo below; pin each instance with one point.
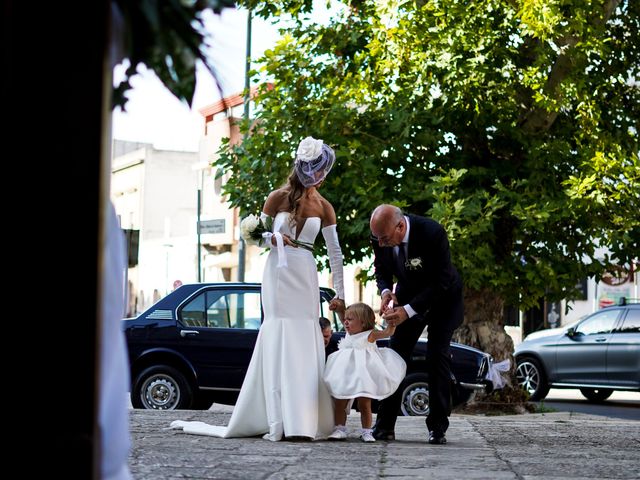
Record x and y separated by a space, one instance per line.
212 226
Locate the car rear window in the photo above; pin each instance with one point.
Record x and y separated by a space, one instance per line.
223 309
631 323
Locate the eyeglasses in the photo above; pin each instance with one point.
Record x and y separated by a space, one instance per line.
385 238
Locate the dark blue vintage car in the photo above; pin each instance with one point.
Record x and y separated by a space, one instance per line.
193 347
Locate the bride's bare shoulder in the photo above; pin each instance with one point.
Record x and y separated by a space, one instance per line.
328 213
276 201
278 193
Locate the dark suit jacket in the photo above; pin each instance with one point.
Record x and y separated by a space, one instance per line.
431 279
332 347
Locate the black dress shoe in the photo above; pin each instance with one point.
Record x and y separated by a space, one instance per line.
437 438
384 435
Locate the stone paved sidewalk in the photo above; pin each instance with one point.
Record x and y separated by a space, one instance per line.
533 446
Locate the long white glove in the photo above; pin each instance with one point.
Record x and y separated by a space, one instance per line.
330 234
266 237
266 242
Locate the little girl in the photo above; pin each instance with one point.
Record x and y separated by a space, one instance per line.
359 369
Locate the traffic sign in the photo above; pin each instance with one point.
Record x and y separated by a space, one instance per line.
216 225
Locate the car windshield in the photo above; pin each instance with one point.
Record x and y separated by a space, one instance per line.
574 323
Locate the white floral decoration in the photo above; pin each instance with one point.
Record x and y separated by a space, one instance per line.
309 149
413 263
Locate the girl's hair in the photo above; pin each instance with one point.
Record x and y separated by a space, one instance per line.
296 189
364 313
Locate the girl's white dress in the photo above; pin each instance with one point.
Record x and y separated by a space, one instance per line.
360 369
283 392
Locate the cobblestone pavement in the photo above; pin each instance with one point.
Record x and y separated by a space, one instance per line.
525 447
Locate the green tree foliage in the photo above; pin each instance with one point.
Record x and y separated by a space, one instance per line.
513 123
167 37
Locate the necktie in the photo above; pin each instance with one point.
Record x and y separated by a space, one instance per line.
401 258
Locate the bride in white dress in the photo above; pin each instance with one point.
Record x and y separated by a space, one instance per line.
283 393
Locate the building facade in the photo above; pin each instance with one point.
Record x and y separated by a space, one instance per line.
155 197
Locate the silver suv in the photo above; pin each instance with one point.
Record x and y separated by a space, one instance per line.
598 354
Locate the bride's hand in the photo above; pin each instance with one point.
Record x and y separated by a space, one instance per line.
337 304
285 239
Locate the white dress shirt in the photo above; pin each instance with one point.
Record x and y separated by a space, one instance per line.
407 308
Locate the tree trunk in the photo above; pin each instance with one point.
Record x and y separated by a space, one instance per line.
483 326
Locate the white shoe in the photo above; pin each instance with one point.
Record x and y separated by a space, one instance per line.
367 437
338 434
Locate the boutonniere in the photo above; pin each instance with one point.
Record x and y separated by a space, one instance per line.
413 263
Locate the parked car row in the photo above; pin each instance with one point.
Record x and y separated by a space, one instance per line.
193 347
598 355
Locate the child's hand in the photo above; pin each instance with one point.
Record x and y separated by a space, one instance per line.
389 330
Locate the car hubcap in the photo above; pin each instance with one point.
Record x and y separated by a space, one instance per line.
416 401
528 377
160 393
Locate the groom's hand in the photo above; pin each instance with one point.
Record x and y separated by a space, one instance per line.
386 298
395 316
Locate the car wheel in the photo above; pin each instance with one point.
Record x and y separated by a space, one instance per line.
596 394
531 378
161 388
415 395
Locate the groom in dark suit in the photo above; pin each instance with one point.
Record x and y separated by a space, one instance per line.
415 250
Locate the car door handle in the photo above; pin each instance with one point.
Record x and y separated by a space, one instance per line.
184 333
601 339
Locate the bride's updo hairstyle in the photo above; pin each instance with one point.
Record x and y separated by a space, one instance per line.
314 160
364 313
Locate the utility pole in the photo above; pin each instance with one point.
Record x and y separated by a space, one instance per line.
199 256
247 99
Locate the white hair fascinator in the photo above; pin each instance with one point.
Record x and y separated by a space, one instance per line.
314 160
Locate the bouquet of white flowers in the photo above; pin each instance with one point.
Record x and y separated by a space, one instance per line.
252 227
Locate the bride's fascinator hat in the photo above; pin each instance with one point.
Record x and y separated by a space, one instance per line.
314 160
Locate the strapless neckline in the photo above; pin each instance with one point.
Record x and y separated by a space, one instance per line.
294 227
289 213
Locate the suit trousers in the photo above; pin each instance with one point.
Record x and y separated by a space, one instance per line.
441 320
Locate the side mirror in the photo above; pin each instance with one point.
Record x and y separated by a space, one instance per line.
571 332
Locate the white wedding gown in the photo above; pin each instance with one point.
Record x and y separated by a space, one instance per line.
283 392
